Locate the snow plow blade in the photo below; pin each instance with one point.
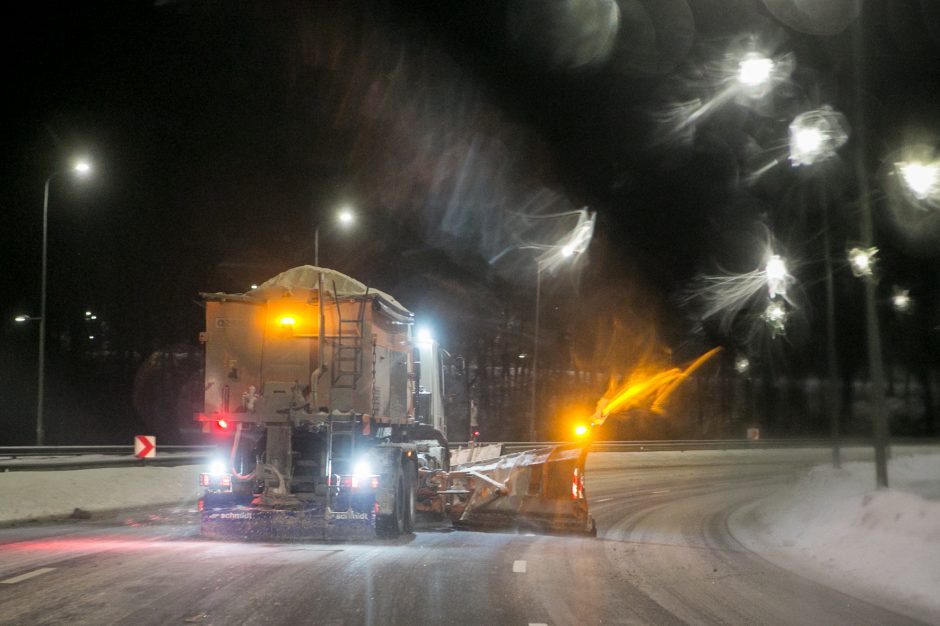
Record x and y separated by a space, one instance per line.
540 490
247 523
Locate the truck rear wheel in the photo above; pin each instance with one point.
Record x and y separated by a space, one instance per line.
391 525
410 498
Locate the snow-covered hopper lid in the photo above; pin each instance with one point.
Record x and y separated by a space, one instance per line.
305 277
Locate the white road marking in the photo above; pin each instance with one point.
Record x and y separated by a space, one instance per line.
661 491
26 576
603 500
537 624
518 567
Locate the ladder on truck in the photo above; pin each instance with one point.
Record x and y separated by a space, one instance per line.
347 346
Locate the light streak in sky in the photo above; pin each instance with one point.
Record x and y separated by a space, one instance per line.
649 389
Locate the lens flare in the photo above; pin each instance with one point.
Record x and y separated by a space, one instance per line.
648 389
816 135
922 179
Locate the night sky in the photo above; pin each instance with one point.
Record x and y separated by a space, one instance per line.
224 133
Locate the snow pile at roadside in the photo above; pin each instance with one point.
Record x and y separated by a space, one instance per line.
832 523
34 495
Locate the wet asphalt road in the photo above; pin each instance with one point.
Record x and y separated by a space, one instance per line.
663 555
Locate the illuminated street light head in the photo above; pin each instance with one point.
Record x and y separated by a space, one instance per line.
742 364
777 276
920 178
816 135
82 167
901 299
755 70
862 261
346 217
575 242
807 140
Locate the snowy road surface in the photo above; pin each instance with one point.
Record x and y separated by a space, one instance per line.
664 555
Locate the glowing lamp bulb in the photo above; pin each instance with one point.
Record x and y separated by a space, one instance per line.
82 167
755 70
922 179
901 300
287 320
222 423
345 217
21 318
862 261
776 271
580 430
808 140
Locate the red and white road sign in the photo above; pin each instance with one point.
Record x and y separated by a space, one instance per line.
145 446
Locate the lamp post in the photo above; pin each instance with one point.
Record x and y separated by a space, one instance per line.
576 242
814 138
81 168
535 350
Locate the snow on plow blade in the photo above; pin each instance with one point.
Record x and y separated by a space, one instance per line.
541 490
267 524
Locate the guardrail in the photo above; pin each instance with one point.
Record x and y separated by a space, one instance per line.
26 451
700 444
20 458
33 458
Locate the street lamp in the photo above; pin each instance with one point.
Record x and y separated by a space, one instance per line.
81 168
816 135
755 70
814 138
345 217
901 299
923 179
777 276
574 243
862 261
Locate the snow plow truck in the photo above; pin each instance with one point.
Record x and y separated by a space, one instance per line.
331 418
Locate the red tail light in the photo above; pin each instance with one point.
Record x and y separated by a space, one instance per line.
204 480
222 424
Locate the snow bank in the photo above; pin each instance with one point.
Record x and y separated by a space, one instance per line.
833 525
35 495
